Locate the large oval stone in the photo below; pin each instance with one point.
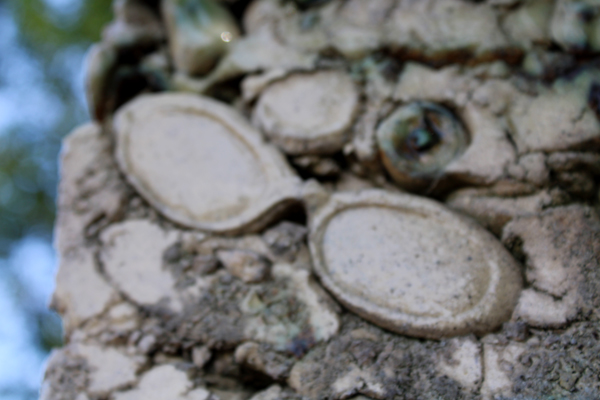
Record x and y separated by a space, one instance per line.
201 164
408 264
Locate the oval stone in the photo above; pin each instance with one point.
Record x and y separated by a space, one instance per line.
201 164
308 113
408 264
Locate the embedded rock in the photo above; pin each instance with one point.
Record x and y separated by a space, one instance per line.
132 258
201 164
544 311
437 27
498 361
110 369
558 118
560 247
494 210
164 382
81 292
410 265
464 363
91 193
246 265
308 113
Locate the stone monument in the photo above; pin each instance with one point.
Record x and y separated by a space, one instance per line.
335 199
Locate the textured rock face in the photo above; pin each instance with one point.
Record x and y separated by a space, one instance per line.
255 238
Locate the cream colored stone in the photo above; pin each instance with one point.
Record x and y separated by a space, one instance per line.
438 26
558 118
529 24
494 95
353 30
259 14
164 382
253 85
110 369
575 25
81 292
200 164
355 381
201 355
543 311
308 113
535 169
546 240
90 188
356 28
464 366
122 311
132 257
419 82
410 265
494 211
497 380
248 266
489 153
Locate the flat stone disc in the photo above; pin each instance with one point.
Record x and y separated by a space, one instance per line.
201 164
410 265
308 113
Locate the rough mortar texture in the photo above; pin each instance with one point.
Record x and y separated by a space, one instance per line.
192 264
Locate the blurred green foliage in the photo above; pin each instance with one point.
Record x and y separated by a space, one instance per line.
42 45
46 33
51 36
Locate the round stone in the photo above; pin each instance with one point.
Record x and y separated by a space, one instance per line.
308 113
201 164
410 265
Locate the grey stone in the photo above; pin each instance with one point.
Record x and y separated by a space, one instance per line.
239 182
412 266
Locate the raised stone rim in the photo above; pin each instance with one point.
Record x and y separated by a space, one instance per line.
283 185
325 140
487 315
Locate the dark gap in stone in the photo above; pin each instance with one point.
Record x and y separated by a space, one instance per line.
228 91
296 213
594 98
238 8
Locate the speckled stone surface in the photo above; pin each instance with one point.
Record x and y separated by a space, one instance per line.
235 227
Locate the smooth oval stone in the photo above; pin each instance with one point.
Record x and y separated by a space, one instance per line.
410 265
201 164
308 113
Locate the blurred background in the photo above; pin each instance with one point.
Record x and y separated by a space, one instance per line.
42 47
